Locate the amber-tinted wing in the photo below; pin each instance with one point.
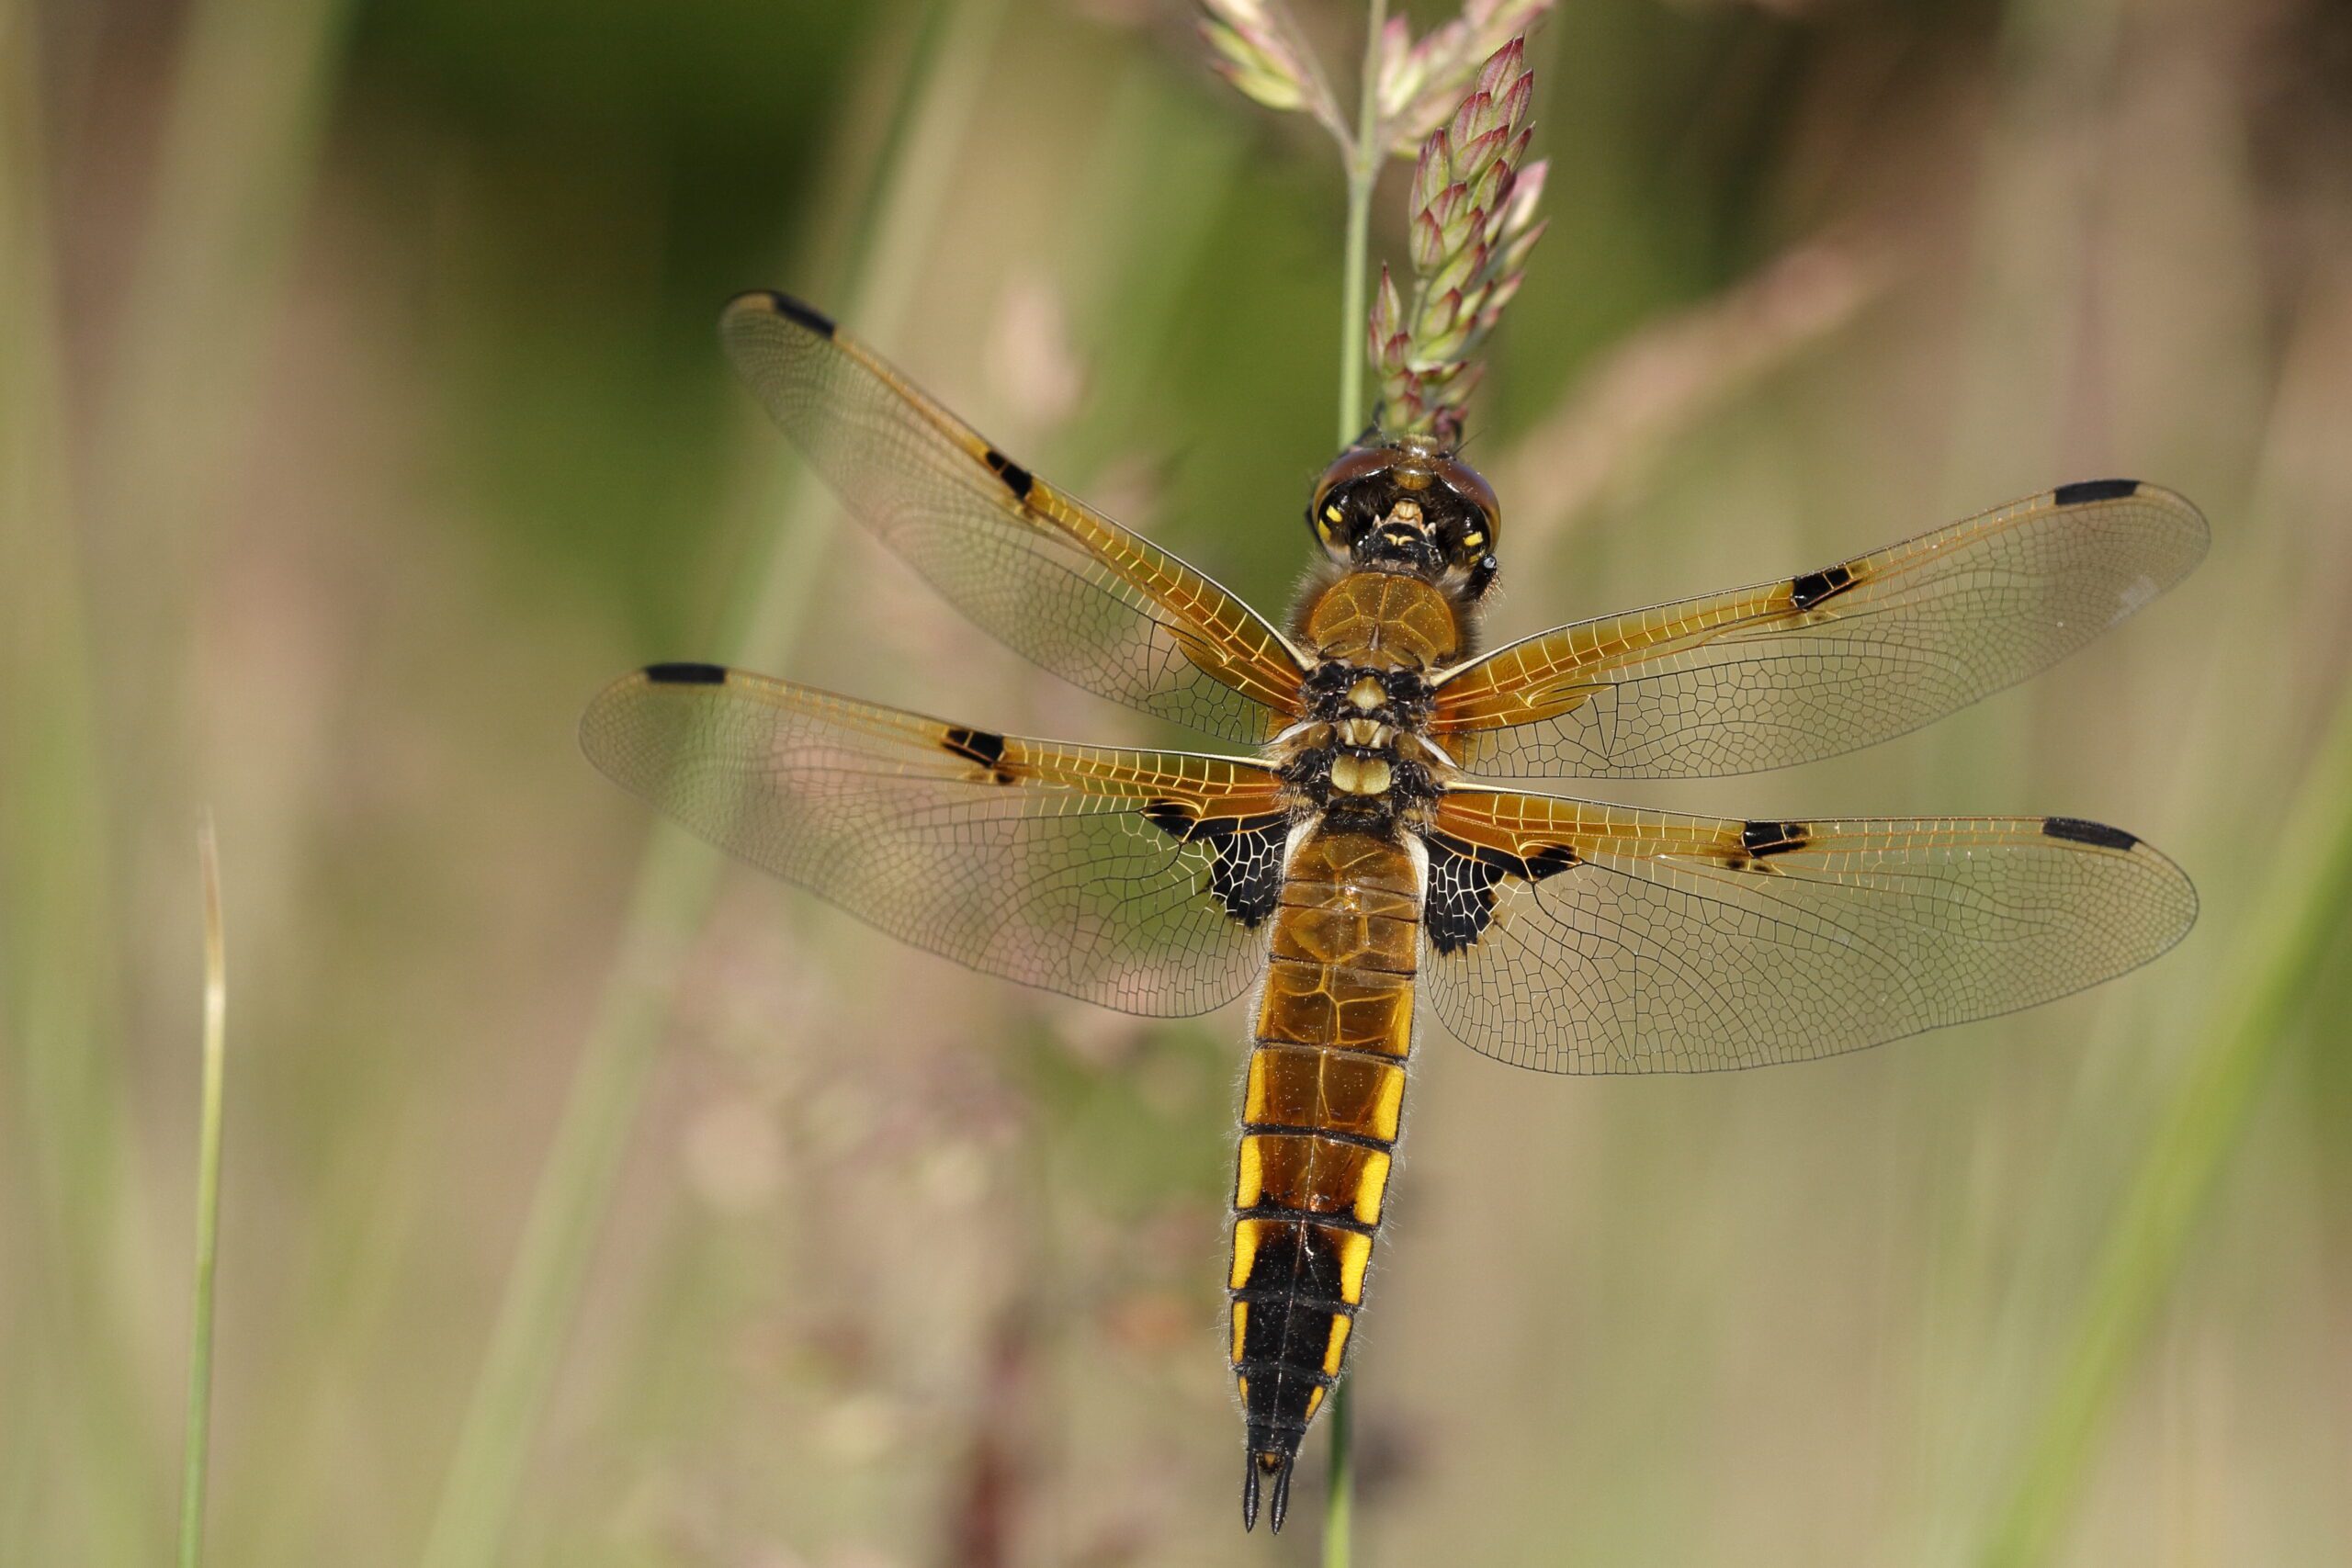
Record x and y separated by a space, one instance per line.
1811 666
1047 575
1577 938
1129 878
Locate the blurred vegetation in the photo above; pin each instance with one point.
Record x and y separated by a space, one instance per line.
360 414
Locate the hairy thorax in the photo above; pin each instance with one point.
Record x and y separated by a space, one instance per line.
1361 756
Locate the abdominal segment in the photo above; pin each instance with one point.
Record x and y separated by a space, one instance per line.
1319 1123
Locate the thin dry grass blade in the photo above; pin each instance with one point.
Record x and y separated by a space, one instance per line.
198 1441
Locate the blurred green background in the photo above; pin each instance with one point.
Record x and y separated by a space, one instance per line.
360 414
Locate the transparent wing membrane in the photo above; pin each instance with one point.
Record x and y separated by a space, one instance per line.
1127 878
1560 934
1811 666
1041 571
1571 937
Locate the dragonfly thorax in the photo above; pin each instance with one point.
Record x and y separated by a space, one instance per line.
1360 776
1360 757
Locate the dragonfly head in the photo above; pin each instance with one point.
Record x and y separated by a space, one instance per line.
1408 505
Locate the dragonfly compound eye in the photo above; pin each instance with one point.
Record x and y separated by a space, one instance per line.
1481 518
1350 497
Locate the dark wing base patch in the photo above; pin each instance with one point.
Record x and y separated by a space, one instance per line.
1247 872
1461 897
1459 902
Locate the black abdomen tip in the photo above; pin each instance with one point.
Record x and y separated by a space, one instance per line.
2076 831
1257 1466
2094 489
685 675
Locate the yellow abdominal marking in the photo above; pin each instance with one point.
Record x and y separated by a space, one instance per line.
1356 1251
1339 1345
1245 1253
1391 1104
1373 1185
1367 694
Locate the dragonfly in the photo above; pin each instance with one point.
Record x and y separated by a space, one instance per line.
1363 840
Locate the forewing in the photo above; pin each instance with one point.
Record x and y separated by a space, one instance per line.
1808 667
1135 879
1043 572
1577 937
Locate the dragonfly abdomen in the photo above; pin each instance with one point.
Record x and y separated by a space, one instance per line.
1319 1130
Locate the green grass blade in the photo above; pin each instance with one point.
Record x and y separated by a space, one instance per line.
2299 918
1339 1508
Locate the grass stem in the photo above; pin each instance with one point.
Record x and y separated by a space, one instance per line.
1339 1507
198 1442
1365 159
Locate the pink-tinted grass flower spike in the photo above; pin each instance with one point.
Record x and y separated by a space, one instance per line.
1259 51
1471 228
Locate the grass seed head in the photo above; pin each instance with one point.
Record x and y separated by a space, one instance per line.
1258 53
1420 83
1472 226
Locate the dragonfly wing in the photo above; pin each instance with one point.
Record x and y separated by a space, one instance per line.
1134 879
1040 571
1577 938
1808 667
